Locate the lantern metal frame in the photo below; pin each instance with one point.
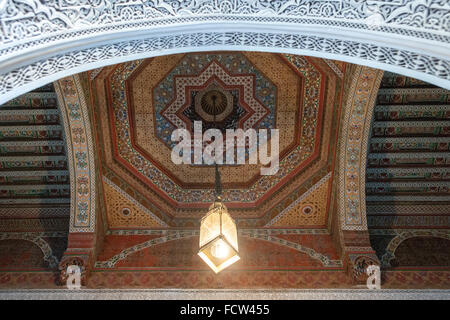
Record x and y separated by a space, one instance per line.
215 263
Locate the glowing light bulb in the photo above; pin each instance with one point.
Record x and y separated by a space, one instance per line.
220 250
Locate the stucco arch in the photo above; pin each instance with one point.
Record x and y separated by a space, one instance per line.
35 238
43 42
389 255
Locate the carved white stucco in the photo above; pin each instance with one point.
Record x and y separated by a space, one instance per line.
42 41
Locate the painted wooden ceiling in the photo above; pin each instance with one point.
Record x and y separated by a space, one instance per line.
34 177
139 104
408 174
407 185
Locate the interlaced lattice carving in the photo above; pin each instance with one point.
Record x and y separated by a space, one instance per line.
31 18
35 25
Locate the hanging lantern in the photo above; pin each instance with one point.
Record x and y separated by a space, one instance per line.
218 238
218 232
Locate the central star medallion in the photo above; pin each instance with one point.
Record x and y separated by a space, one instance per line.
236 105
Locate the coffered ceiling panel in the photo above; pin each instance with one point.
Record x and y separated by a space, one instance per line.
139 104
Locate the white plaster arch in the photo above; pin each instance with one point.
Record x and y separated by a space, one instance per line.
42 42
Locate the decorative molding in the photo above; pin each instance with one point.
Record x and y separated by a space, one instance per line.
39 143
169 236
385 232
412 108
43 234
358 249
408 155
326 262
56 16
412 91
225 294
44 41
398 184
408 221
354 136
94 73
394 198
80 153
31 95
35 186
35 201
34 173
28 112
396 232
137 232
268 232
31 128
243 232
34 212
334 67
409 140
36 157
403 124
389 254
36 238
394 170
409 209
34 225
261 234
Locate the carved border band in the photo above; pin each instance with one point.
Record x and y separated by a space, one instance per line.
409 36
80 153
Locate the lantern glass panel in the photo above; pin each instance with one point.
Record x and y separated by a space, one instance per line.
229 230
218 238
210 227
218 254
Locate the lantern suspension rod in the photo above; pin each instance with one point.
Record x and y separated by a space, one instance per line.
218 182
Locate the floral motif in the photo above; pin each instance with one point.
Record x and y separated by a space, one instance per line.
82 214
77 127
355 134
74 112
81 159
